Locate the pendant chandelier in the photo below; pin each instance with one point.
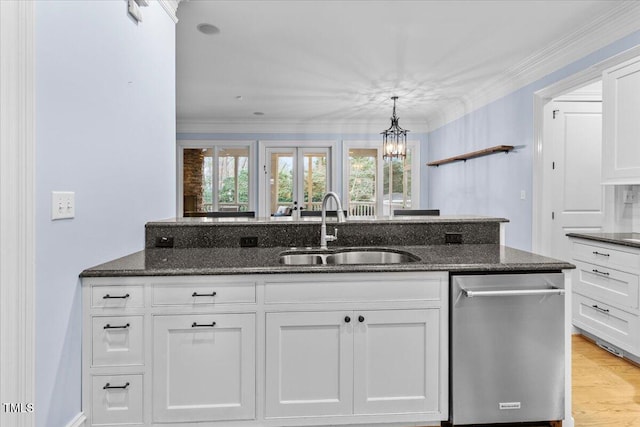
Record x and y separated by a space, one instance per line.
394 139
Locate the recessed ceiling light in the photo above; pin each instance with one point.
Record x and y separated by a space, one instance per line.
258 113
239 97
208 29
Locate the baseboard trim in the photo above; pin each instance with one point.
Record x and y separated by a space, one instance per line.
78 421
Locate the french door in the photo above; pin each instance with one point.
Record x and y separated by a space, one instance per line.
294 178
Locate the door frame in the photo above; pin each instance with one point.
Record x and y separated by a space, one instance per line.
17 209
332 165
540 99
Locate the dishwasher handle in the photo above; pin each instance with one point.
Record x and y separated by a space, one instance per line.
513 292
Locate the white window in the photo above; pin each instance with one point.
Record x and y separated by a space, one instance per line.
375 187
214 177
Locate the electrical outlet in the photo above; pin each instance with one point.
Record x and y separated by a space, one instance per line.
248 242
164 242
63 205
629 196
452 238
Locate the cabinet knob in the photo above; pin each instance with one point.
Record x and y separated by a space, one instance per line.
360 319
347 319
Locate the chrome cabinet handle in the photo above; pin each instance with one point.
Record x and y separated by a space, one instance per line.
107 296
512 292
604 273
108 386
603 310
108 326
203 325
600 253
195 294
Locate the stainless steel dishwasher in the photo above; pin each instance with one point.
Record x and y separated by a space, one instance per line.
507 348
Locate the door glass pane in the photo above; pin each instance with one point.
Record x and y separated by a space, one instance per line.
397 184
315 180
197 177
281 183
363 164
233 179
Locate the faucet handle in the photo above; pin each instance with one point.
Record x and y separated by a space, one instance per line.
333 238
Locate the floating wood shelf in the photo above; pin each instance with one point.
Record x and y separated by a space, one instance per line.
473 154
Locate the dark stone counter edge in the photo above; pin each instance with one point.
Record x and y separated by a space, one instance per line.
199 222
551 265
454 268
607 238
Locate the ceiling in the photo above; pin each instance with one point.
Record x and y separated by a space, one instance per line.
337 63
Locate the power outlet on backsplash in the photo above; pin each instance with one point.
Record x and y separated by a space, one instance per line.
248 242
453 238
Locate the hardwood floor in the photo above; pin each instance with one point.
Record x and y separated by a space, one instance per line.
606 388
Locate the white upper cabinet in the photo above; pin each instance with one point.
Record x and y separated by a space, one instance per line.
621 121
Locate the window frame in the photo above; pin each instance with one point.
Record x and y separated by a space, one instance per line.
413 145
216 146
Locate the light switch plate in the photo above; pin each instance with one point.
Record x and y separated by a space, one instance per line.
63 204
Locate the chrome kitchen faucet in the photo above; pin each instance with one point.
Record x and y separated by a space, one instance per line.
324 237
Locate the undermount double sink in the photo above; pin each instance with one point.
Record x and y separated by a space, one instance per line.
347 256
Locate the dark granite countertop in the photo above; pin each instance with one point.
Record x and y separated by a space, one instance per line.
216 261
624 239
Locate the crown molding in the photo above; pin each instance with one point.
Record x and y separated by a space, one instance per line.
606 29
170 6
266 127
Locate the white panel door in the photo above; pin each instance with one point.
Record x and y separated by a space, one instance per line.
577 196
204 367
396 361
621 98
309 366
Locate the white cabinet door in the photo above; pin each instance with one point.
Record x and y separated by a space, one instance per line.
621 110
309 364
203 367
396 361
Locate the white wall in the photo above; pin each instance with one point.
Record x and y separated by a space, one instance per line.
105 97
492 185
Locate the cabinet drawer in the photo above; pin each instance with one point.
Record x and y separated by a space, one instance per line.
328 290
117 296
204 294
606 255
117 399
117 340
607 284
616 326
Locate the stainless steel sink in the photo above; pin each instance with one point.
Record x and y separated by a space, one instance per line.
302 259
371 257
349 256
